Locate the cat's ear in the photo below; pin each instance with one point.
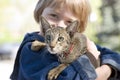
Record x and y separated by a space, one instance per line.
44 23
72 28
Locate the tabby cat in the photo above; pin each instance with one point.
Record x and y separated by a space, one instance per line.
67 44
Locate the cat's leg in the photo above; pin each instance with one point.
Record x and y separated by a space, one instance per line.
53 74
37 45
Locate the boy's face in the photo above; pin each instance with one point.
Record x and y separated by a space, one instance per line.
59 17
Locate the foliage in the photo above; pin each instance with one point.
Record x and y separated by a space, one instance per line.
15 16
109 30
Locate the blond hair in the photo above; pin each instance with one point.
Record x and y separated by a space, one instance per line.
81 8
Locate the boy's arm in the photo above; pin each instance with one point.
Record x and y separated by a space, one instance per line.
112 59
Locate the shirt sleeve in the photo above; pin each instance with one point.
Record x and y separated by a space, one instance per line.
83 64
35 65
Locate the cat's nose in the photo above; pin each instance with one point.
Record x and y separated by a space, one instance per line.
51 46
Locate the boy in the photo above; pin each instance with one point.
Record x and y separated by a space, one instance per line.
31 65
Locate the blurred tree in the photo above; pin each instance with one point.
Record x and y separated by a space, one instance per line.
16 19
109 31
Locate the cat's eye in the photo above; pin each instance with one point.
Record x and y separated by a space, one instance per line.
60 38
48 38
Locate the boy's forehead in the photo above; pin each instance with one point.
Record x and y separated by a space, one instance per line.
63 12
60 9
58 5
52 10
61 5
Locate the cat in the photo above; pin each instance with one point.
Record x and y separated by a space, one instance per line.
66 43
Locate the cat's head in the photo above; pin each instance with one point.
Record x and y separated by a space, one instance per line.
57 38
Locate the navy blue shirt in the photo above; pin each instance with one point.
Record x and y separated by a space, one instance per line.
35 65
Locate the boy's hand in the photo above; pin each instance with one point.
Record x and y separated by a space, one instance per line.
103 72
92 48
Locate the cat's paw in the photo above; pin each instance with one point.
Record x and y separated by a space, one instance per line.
37 45
53 74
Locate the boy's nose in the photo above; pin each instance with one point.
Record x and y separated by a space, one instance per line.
61 24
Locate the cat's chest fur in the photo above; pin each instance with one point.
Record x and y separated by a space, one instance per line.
77 47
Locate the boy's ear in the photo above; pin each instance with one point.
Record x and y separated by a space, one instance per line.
72 28
44 23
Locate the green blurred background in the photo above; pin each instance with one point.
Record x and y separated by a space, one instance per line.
16 19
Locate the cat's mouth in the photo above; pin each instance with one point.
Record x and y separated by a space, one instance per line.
52 51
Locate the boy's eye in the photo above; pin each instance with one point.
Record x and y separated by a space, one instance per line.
68 22
53 15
